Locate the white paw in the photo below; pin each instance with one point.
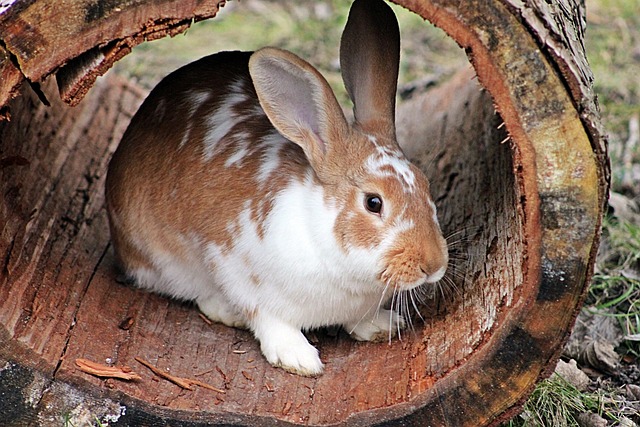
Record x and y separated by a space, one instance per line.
220 311
380 327
293 353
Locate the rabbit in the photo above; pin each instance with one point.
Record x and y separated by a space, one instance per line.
240 185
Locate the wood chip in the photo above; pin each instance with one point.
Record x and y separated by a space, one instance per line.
205 319
207 386
185 383
106 371
199 374
127 323
224 378
247 375
287 408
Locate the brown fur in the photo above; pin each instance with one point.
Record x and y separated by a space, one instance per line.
173 182
156 171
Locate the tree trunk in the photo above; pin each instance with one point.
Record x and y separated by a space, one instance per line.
522 190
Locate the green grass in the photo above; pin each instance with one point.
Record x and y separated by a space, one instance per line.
312 32
613 50
67 422
557 403
554 402
615 290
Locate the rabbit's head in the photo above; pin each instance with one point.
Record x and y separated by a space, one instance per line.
384 204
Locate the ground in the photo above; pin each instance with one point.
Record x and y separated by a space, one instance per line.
606 340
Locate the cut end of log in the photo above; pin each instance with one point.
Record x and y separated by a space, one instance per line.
520 190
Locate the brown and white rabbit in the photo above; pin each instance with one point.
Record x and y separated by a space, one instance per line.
239 184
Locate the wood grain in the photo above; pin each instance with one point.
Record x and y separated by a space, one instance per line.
519 190
83 39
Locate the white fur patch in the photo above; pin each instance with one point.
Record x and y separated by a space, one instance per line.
5 5
271 159
297 272
242 143
378 163
223 119
435 211
179 278
193 100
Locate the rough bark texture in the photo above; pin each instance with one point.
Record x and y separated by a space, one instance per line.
83 39
522 190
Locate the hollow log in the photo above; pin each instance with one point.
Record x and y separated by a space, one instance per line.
519 171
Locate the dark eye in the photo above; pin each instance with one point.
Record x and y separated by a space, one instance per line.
373 203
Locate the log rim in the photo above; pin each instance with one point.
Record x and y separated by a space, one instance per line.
478 41
442 15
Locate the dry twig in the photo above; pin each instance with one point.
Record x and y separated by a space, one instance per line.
185 383
106 371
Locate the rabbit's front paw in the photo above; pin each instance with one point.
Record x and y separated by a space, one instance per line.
382 326
218 310
287 348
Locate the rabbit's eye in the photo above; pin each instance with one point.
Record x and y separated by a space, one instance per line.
373 203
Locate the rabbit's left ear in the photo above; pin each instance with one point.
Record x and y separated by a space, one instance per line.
298 101
370 57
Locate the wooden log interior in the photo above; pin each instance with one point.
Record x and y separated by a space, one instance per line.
519 190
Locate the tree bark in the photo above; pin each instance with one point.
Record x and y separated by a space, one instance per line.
519 172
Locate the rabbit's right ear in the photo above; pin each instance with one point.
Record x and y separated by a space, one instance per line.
370 57
298 101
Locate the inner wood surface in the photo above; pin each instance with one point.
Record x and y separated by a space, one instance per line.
59 299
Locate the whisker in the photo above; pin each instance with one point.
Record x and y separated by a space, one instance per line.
441 289
457 255
393 304
412 294
452 286
421 295
384 291
401 300
407 311
456 239
456 232
464 234
455 278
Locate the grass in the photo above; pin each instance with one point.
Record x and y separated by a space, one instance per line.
615 290
556 402
67 422
613 49
309 29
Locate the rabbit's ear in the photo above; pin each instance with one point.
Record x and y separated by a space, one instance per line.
369 57
298 101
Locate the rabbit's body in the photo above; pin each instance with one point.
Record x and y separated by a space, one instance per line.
239 185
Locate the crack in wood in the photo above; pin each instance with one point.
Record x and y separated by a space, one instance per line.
75 313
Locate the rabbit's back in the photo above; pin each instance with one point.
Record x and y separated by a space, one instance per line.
198 157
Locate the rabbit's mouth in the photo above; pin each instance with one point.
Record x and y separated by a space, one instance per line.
436 276
403 277
406 270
